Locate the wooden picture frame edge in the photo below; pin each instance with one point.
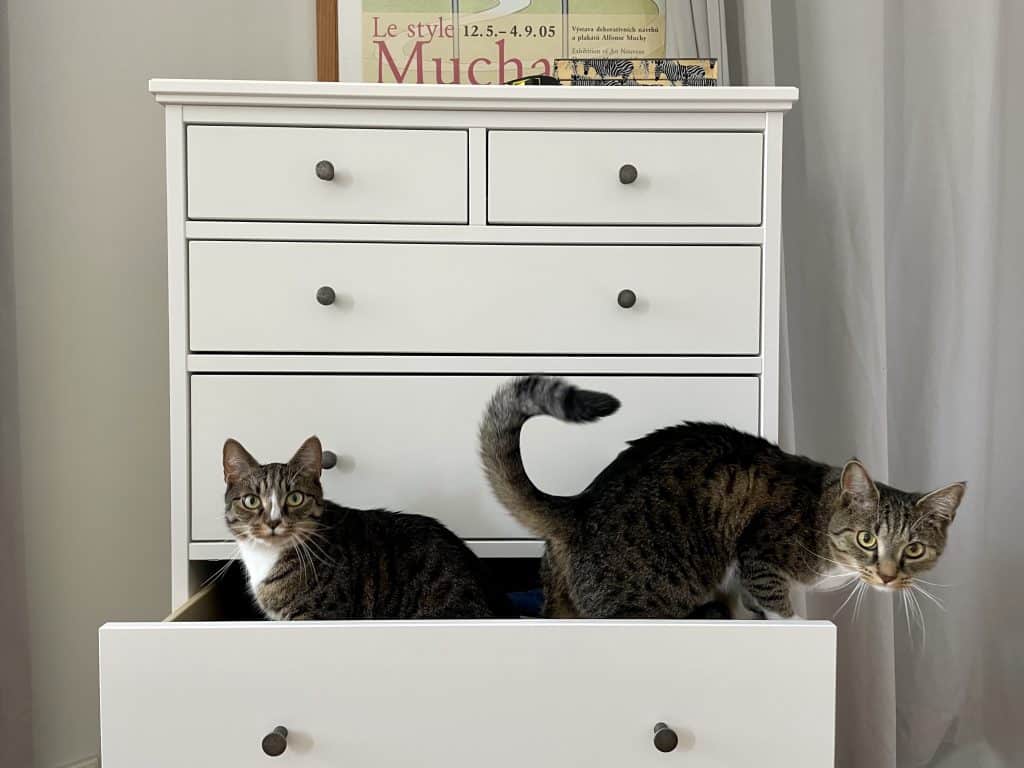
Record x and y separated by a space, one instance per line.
327 40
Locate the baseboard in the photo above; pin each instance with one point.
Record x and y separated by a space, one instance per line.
89 762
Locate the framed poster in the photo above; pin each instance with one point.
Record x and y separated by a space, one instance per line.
494 41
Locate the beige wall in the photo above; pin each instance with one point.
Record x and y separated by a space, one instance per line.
90 310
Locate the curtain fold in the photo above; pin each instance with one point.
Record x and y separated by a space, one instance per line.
15 685
694 29
903 191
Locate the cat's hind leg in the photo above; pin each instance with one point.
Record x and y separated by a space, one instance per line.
558 602
631 602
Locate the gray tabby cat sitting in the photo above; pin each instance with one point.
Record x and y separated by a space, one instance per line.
308 558
681 511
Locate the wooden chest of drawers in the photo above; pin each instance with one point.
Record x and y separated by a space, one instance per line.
367 263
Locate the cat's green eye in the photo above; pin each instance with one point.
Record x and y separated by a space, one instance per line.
252 501
867 540
914 550
294 499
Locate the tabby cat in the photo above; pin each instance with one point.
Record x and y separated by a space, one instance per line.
679 511
309 558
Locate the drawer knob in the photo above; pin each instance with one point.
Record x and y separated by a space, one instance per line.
329 460
275 742
325 170
626 299
665 739
627 174
325 295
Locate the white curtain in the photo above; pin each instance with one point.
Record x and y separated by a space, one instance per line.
903 231
15 691
695 30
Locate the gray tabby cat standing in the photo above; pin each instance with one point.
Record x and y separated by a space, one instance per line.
663 526
308 558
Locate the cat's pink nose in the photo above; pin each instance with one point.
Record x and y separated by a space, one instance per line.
886 578
272 524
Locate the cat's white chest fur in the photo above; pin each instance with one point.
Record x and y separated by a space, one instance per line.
259 559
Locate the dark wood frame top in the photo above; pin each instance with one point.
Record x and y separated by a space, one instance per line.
327 40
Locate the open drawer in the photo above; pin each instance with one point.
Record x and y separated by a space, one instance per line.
505 694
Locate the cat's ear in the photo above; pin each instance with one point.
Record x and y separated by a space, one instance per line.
858 483
237 461
309 457
942 504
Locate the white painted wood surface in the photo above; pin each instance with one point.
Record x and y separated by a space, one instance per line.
410 442
269 173
477 232
771 283
177 346
504 548
256 109
556 365
395 380
447 118
460 98
498 694
572 177
466 299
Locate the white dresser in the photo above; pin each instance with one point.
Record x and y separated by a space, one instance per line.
366 263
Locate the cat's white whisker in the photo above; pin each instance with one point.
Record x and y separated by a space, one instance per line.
820 557
304 560
315 533
302 565
920 618
856 603
849 578
305 538
932 583
837 587
929 595
834 573
853 592
314 536
312 563
224 568
906 615
312 554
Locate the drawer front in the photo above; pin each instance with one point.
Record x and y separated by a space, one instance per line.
410 442
557 177
264 173
444 694
491 299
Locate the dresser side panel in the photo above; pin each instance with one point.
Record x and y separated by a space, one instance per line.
177 325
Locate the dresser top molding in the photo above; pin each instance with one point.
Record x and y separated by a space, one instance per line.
257 93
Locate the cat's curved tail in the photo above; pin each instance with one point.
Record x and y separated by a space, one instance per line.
514 403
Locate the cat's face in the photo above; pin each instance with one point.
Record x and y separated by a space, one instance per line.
888 536
273 504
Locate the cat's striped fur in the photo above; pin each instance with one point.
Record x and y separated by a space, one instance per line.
318 560
660 528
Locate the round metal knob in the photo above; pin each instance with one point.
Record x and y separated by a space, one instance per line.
325 170
325 295
329 460
627 174
275 742
665 739
626 299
